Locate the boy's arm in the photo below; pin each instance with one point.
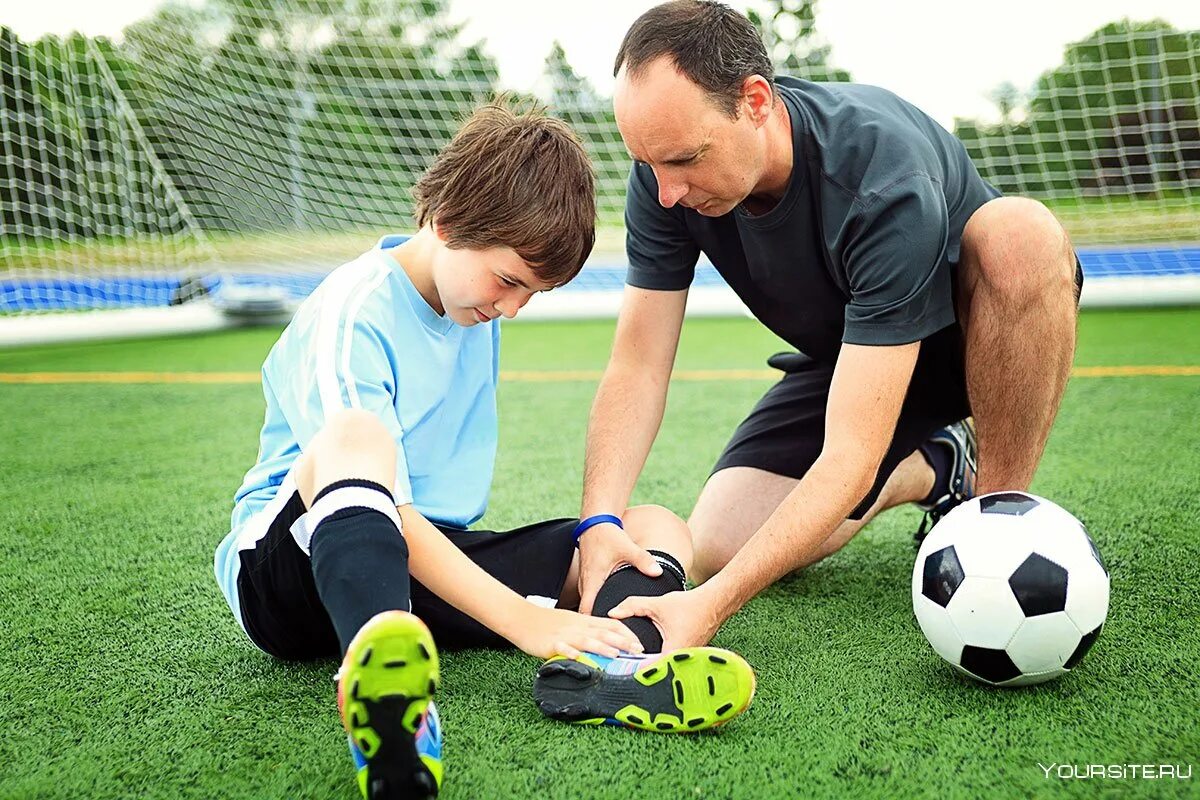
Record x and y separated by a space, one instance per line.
544 632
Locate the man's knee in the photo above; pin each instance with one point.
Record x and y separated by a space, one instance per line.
711 557
1017 248
653 527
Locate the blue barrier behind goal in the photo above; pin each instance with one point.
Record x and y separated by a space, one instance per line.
151 289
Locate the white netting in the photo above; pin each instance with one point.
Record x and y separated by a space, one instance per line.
267 141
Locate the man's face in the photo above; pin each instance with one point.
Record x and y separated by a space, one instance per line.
702 158
479 285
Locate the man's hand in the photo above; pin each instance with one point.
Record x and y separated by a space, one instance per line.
546 632
603 548
686 619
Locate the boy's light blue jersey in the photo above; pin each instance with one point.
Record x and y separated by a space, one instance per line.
366 339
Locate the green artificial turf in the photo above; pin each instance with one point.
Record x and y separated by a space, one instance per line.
124 675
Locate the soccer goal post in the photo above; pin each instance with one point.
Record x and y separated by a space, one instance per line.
210 165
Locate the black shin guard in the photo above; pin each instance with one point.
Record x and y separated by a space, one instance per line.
628 581
359 557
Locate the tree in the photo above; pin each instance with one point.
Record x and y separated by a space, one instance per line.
568 89
1007 98
1120 115
789 32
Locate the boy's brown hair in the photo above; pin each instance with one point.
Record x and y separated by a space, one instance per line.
516 179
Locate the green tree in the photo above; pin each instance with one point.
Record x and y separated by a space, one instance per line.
1119 115
1007 98
568 89
789 31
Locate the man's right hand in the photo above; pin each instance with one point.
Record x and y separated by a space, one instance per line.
603 548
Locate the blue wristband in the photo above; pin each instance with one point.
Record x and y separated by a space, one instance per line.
597 519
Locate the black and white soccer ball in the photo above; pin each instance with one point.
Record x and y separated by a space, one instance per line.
1010 589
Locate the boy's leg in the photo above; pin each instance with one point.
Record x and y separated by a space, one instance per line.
360 568
684 690
666 537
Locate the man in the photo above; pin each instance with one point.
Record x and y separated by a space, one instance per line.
856 229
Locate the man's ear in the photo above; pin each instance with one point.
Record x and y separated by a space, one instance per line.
758 97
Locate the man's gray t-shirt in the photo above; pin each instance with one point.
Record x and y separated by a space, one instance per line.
862 245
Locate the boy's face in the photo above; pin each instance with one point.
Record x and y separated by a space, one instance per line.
480 285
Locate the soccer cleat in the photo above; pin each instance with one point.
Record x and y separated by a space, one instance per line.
681 691
385 686
960 484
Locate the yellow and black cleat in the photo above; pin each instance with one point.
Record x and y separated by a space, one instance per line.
385 690
686 690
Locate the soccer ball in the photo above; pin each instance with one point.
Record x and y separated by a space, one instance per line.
1010 589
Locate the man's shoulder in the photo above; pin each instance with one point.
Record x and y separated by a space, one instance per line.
864 138
837 99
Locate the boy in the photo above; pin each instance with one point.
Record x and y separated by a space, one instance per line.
377 452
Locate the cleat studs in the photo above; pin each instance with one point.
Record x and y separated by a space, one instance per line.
679 693
424 650
395 664
681 656
717 659
432 686
664 726
354 689
581 672
635 719
724 708
366 657
712 687
692 723
650 673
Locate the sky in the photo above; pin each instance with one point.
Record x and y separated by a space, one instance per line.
943 55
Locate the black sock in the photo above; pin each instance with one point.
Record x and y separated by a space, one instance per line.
628 581
941 458
359 557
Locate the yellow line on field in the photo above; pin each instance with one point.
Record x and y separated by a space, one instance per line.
1136 371
129 377
523 376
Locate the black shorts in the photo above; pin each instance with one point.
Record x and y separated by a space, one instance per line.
282 612
785 431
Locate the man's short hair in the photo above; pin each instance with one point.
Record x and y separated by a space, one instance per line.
516 179
714 46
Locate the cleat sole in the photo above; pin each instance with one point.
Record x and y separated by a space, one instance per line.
690 690
390 673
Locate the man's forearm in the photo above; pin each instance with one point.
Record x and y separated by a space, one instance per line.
625 418
789 537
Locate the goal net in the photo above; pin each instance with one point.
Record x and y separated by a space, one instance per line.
223 157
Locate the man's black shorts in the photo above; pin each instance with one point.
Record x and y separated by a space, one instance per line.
785 431
282 612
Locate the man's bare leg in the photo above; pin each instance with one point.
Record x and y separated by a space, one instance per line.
736 502
1017 306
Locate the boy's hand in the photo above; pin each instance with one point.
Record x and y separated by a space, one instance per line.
603 548
547 632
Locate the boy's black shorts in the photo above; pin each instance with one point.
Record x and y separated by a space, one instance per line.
283 614
785 431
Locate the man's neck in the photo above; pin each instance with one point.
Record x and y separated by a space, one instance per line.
777 172
415 257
